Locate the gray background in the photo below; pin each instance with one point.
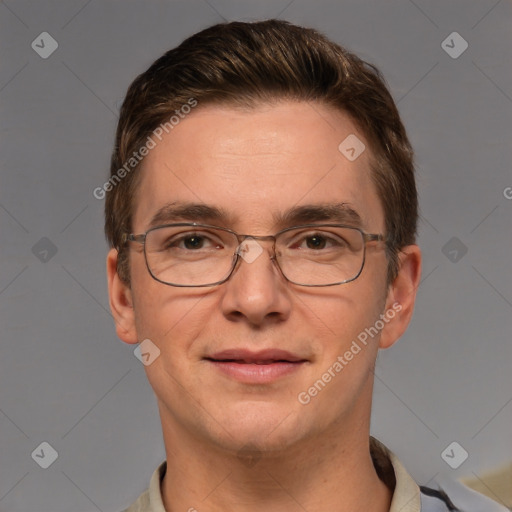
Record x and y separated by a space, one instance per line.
64 376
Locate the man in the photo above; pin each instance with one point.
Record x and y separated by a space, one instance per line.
262 214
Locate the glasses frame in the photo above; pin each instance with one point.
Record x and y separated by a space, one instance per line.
141 239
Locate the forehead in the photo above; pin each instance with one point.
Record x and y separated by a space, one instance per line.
256 165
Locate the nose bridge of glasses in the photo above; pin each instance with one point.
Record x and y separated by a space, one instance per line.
250 246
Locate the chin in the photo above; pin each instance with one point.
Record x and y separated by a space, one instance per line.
258 426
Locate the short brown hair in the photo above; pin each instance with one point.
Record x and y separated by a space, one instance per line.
246 64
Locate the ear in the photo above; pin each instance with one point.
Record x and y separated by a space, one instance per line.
402 295
121 303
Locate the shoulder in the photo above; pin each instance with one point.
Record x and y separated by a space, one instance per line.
454 496
446 495
141 505
151 499
435 500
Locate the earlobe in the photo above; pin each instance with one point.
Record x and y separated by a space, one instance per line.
120 300
402 295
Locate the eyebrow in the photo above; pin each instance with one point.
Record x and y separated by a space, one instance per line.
188 212
339 213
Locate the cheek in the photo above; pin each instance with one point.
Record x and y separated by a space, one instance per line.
337 316
171 317
346 326
155 312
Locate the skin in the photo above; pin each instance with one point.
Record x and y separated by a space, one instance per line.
255 164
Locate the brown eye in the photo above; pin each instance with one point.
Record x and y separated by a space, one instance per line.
316 242
193 242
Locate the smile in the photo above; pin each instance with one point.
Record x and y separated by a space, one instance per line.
256 367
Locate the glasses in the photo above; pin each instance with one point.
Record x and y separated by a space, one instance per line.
196 255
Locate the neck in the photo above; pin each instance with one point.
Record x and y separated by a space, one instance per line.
334 473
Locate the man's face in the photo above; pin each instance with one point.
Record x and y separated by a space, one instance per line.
255 167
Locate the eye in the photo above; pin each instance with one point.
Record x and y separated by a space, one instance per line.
192 242
318 241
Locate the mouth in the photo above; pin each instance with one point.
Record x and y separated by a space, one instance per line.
256 367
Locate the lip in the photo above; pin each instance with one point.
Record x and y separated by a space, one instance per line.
250 357
260 367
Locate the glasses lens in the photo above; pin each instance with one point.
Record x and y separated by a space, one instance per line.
203 256
321 256
190 255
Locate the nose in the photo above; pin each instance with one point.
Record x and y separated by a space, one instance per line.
257 292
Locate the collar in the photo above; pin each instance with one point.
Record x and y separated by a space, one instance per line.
406 494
